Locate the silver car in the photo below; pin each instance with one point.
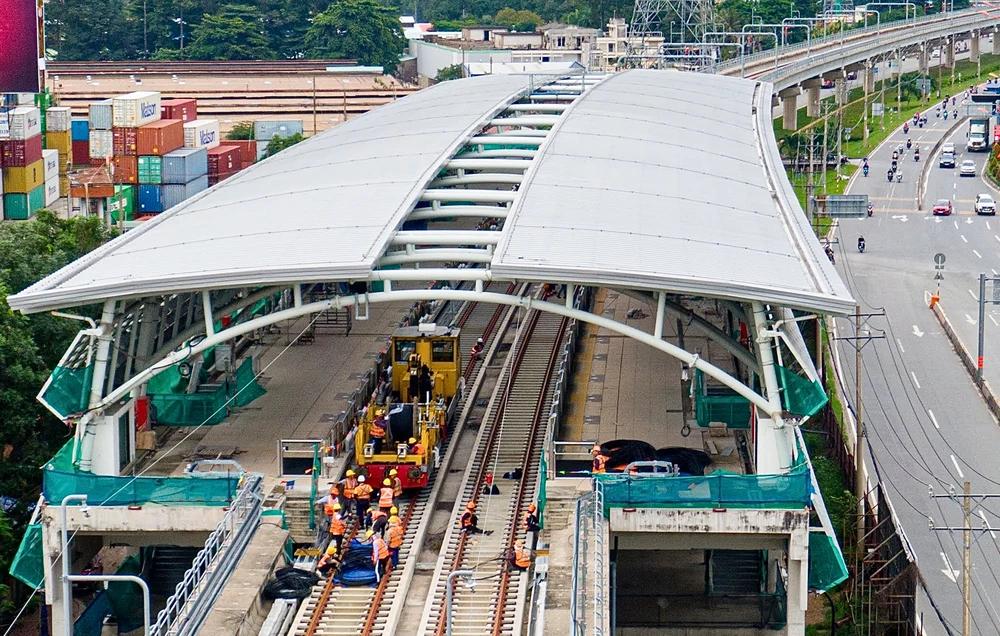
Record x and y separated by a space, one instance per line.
985 204
968 168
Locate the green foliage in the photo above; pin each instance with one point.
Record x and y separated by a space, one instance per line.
363 30
241 130
522 21
235 33
455 71
279 143
454 25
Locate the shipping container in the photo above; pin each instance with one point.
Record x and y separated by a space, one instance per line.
135 109
125 141
20 153
65 162
183 109
151 198
51 160
261 149
201 133
174 194
224 160
150 170
61 141
52 191
80 128
22 206
124 198
126 169
248 150
25 122
101 143
184 165
100 115
24 180
58 119
81 151
266 130
160 137
64 186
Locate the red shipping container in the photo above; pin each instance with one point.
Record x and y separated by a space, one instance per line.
126 169
248 150
19 154
183 109
160 137
81 151
124 141
224 160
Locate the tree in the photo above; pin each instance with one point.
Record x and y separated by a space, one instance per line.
279 143
235 33
363 30
90 30
455 71
523 20
241 130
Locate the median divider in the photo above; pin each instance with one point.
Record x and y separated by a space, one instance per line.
968 360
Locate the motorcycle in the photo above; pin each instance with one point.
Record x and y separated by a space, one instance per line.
871 209
889 175
916 156
909 143
894 166
906 128
946 114
861 245
865 170
899 177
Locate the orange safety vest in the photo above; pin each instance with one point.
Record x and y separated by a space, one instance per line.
349 485
377 431
379 549
385 497
334 490
377 514
395 535
418 449
529 520
522 558
337 526
467 518
397 486
326 558
599 462
363 492
328 507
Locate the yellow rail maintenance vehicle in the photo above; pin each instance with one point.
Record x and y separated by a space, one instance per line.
408 415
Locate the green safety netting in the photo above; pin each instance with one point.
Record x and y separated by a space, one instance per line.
69 390
91 621
126 597
204 407
247 387
801 396
27 565
827 568
169 380
60 478
719 489
719 404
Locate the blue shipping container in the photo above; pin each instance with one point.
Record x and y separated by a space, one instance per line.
81 129
174 194
184 165
266 130
150 199
100 115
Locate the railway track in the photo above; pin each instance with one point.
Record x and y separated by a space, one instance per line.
333 609
213 67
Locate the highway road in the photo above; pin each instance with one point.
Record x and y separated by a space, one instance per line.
926 425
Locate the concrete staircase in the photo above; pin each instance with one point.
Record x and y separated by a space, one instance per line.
296 511
167 567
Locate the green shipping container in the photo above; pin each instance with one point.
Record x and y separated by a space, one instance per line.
150 170
124 198
21 207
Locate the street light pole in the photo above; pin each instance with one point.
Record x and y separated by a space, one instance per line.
465 574
982 317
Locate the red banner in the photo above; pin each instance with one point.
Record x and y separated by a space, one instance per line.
19 46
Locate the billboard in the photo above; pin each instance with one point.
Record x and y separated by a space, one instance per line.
19 46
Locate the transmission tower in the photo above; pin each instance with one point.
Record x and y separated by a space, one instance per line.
831 6
686 21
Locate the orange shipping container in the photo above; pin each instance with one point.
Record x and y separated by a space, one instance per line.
183 109
126 169
124 141
160 137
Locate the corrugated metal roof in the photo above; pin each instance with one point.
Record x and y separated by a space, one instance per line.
657 180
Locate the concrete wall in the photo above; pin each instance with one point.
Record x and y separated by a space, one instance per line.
698 521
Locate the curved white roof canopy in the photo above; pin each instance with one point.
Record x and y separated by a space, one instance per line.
654 180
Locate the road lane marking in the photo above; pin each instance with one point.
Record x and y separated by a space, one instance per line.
969 319
994 320
974 297
956 227
917 332
995 272
957 467
914 375
988 225
900 343
949 571
963 237
933 419
977 253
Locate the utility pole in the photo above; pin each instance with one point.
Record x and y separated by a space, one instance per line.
826 110
995 281
868 72
899 83
810 187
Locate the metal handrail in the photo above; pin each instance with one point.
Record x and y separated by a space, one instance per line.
600 553
194 596
566 358
582 521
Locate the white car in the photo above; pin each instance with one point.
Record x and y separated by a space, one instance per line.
985 204
968 168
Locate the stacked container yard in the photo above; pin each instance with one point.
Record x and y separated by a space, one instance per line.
202 133
51 159
265 131
101 139
59 136
248 151
223 162
152 142
185 110
80 133
23 166
185 174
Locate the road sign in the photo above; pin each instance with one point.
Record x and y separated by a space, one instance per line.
924 84
939 259
939 276
877 109
850 206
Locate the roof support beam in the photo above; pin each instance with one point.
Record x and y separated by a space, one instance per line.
461 163
500 140
538 108
527 120
490 154
432 255
477 179
445 211
446 237
206 309
479 196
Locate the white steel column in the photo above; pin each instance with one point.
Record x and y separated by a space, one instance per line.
798 581
765 352
103 350
206 308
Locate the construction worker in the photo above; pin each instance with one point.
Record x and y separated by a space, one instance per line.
469 521
350 483
380 553
385 496
416 448
379 519
520 557
395 540
337 526
333 494
397 483
600 459
362 499
377 432
530 519
327 563
477 349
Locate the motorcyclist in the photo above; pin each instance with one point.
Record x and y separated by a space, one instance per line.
946 113
899 176
916 154
906 128
888 175
861 244
895 155
829 254
909 143
955 114
864 169
894 166
871 209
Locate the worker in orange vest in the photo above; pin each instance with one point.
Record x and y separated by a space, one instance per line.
600 459
416 448
350 483
395 540
379 519
327 563
530 520
337 526
520 557
397 483
380 553
362 499
385 496
377 431
469 521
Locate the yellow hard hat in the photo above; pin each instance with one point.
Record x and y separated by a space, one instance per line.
386 482
368 535
413 440
332 550
393 472
393 510
393 519
336 506
350 473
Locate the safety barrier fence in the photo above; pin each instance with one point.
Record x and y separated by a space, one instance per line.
717 490
583 529
194 596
